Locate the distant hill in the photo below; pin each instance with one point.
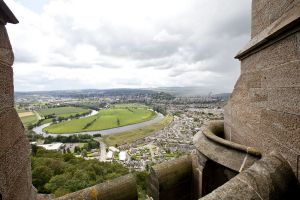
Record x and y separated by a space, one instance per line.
186 91
172 91
94 93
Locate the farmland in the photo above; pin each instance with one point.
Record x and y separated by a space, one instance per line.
105 119
28 119
63 111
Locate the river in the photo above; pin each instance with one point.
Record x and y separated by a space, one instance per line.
158 117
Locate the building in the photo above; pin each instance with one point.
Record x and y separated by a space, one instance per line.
53 146
123 156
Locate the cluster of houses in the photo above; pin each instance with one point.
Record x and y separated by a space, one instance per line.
172 141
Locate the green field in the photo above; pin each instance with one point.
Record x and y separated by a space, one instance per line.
63 111
129 105
29 120
131 136
105 119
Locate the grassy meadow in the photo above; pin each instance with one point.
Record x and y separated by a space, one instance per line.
63 111
130 136
105 119
27 118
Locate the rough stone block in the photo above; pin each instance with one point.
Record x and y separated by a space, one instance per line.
258 97
265 12
4 41
286 75
6 87
284 99
283 126
16 158
21 188
279 53
172 179
11 129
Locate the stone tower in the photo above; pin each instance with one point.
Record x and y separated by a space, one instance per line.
264 108
15 169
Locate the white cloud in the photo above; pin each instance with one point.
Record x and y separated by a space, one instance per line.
69 44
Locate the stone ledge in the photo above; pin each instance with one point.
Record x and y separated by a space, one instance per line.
229 154
217 127
285 24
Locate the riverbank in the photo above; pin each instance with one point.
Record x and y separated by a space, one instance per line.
158 117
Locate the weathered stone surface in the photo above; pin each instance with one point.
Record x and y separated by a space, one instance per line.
233 156
11 129
271 178
6 74
264 108
4 42
286 75
122 188
279 53
265 12
172 180
15 167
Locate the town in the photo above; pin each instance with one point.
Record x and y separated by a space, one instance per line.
172 140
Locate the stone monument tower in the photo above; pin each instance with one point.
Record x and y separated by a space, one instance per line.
15 169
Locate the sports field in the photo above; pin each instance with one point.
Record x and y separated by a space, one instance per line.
105 119
63 111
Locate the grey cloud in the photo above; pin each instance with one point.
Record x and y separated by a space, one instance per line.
211 33
24 56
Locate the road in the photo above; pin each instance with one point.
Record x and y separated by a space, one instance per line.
159 117
151 151
37 115
102 156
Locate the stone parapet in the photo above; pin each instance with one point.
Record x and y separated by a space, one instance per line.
172 180
234 156
122 188
270 178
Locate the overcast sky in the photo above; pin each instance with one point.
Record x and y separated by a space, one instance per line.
78 44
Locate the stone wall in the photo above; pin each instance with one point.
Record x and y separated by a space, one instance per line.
264 108
15 169
265 12
122 188
172 180
270 178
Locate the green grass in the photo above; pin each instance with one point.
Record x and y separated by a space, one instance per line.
131 136
105 119
129 105
63 111
28 120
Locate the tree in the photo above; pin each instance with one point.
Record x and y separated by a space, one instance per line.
34 149
40 176
30 126
77 149
84 153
